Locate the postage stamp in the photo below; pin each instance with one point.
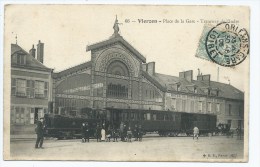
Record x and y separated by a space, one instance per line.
227 45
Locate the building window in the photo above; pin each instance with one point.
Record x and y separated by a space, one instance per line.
118 91
229 109
183 105
209 92
173 104
148 116
21 59
209 107
217 107
20 87
154 117
30 88
192 106
200 106
195 90
178 87
39 89
229 123
19 115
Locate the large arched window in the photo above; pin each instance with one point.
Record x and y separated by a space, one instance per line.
117 88
117 68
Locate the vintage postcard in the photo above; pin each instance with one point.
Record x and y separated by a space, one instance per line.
126 83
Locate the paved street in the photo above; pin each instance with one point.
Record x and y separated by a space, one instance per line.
151 148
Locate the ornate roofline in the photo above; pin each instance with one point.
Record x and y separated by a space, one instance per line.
114 40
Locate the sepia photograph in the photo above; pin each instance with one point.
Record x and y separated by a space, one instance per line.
135 83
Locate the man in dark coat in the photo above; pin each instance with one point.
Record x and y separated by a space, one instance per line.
40 132
135 133
98 133
140 133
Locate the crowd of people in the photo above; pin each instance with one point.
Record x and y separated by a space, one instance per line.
123 133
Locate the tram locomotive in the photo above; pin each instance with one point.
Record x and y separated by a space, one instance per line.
166 123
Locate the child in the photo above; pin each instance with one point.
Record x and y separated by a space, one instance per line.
129 135
108 136
115 134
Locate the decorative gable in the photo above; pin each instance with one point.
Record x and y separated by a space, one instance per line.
113 41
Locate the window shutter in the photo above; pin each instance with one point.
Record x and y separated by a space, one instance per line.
13 86
28 84
22 115
32 121
24 59
27 116
13 82
32 89
14 59
18 59
204 109
46 89
17 115
46 85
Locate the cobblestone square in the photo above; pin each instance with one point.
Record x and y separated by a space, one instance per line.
153 148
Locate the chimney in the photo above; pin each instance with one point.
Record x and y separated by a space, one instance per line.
144 67
32 51
188 75
151 68
204 78
198 71
40 51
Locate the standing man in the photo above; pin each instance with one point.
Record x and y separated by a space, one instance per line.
136 132
140 133
40 132
122 131
98 133
196 132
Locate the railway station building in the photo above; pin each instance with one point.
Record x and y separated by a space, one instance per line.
118 76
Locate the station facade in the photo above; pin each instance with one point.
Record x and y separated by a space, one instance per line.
118 76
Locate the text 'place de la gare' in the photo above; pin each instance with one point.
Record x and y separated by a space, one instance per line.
117 76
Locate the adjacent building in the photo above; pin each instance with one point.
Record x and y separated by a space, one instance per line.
30 87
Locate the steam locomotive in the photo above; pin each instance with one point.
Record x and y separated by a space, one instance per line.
166 123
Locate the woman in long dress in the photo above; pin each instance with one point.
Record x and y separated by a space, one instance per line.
103 134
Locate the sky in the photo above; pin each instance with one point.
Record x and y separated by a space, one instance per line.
66 30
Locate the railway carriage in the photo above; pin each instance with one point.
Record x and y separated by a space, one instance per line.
166 123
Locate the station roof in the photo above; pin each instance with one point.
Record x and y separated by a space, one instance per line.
72 69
